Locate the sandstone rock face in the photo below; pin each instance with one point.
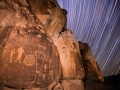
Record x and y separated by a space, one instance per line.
69 55
27 56
26 60
91 67
37 52
72 84
59 87
50 16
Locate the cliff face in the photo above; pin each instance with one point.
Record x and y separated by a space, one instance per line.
36 49
28 57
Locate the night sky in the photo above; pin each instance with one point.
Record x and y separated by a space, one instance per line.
97 22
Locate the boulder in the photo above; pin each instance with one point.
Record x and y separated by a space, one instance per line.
70 57
28 58
72 84
92 69
58 87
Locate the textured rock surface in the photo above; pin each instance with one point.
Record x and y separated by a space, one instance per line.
72 84
27 60
69 55
35 46
27 56
50 16
37 52
91 67
59 87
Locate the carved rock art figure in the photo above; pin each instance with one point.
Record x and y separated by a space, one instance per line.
29 60
20 51
12 52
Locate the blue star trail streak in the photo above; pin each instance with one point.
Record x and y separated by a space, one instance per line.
97 22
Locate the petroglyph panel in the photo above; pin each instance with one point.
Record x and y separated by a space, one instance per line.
28 58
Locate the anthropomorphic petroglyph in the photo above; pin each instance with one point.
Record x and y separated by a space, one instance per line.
51 74
40 56
20 51
45 68
12 52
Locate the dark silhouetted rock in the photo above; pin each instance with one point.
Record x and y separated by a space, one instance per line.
92 69
110 83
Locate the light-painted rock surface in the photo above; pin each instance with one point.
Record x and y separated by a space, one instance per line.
28 58
72 84
69 55
37 52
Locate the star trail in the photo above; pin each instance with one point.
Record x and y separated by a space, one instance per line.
97 22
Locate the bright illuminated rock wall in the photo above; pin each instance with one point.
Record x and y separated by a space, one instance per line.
36 49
